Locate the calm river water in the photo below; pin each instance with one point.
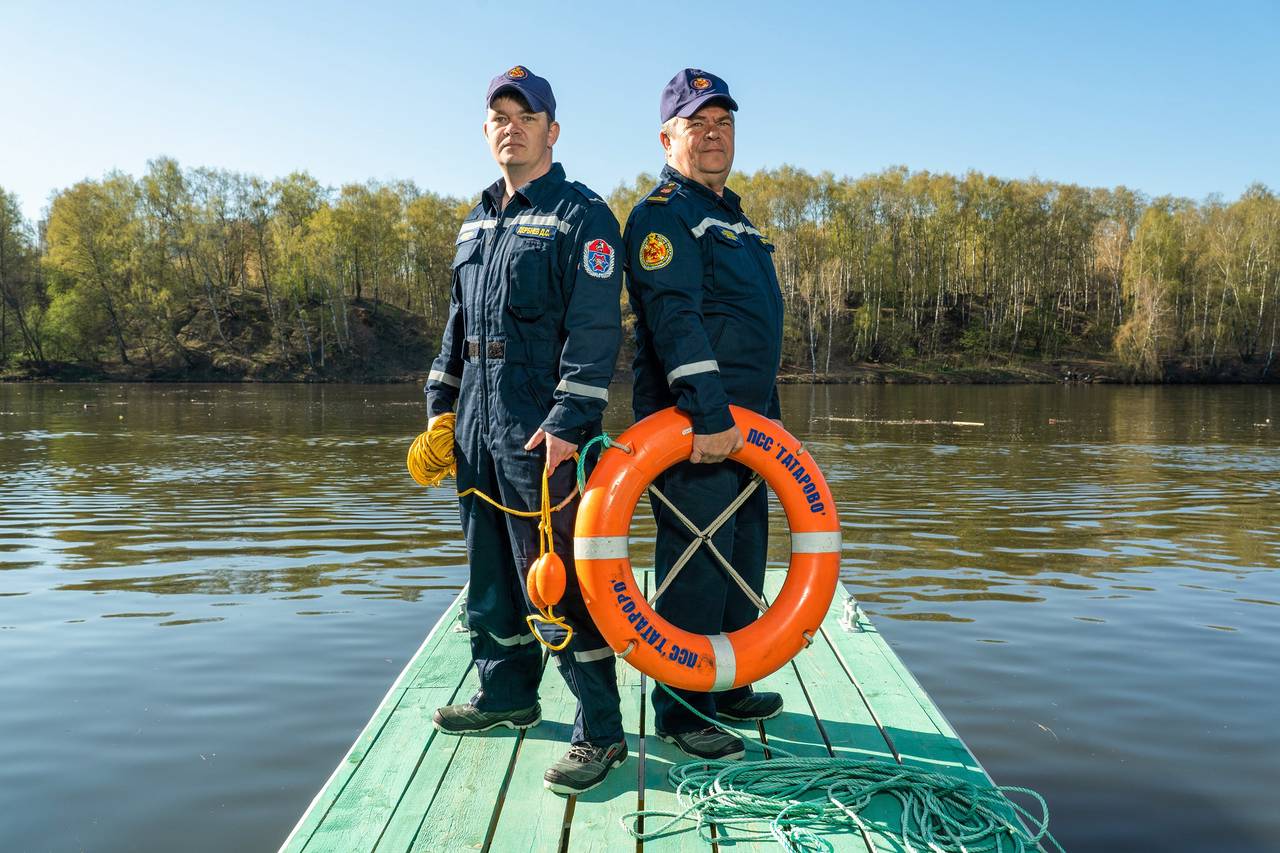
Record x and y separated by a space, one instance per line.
206 590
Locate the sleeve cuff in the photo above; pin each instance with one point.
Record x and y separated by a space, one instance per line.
717 421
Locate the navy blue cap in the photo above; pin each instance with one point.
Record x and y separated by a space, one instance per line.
690 90
536 90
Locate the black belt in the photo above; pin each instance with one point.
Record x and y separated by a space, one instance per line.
493 349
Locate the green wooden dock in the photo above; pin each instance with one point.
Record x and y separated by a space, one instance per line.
404 786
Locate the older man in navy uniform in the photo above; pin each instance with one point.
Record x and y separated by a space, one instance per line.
709 333
526 358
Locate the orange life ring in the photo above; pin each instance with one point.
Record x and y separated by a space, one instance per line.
626 620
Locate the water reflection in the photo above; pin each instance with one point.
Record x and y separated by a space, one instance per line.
1045 559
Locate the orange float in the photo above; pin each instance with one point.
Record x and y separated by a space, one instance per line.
626 620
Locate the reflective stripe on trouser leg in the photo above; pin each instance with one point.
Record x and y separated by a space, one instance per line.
508 666
593 682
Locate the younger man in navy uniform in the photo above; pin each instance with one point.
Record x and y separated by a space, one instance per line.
526 358
708 333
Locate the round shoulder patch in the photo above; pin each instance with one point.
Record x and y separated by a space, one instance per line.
597 258
655 252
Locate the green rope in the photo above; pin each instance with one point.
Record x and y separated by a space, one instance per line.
605 442
792 800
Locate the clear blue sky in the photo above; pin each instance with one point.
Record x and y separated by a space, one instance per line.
1162 97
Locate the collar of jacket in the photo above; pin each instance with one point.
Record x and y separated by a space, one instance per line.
538 190
730 199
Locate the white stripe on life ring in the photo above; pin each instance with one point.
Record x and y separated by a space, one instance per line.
726 663
600 547
820 542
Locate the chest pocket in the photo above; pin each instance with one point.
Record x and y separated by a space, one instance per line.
726 238
528 279
466 251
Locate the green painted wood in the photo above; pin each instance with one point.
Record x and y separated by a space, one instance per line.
597 814
405 787
532 818
896 699
850 728
441 640
369 798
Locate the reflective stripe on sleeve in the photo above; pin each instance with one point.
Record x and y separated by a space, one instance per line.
447 379
583 390
708 366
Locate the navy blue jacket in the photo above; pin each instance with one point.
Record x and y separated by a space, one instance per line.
534 319
708 307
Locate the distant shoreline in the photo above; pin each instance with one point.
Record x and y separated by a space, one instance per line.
1063 371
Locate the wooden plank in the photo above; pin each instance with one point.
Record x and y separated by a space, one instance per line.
441 634
901 705
367 802
852 733
532 818
597 814
811 678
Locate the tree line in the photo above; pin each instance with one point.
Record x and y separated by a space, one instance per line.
897 267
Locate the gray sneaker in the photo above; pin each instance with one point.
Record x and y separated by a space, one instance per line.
756 706
711 743
583 767
468 719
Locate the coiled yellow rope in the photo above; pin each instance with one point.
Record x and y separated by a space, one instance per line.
431 460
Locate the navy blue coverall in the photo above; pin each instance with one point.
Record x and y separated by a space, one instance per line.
532 336
709 333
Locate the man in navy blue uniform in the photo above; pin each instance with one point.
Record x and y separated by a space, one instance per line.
526 357
709 333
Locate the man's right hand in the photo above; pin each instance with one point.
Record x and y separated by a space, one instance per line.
716 447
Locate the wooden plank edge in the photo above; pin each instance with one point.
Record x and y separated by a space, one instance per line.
395 685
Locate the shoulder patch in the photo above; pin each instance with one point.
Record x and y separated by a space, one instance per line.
597 258
663 194
656 251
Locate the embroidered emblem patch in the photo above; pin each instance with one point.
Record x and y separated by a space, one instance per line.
729 235
701 83
667 189
597 258
517 73
655 252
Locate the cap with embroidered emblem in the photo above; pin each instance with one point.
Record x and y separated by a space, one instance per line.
534 89
690 90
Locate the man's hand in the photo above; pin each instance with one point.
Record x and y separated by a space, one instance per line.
558 449
716 447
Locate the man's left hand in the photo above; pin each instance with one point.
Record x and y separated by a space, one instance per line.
558 449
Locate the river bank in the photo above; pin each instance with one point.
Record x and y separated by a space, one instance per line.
247 340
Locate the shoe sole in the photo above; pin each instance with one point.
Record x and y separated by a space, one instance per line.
510 724
559 788
732 756
748 719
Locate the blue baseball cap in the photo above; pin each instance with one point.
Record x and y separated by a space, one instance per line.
690 90
536 90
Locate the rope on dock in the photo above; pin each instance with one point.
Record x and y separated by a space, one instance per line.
797 799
